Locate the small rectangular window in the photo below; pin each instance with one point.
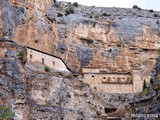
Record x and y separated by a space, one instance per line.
119 79
43 61
30 56
53 63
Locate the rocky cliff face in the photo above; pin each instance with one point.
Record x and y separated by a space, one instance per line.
149 103
113 38
40 95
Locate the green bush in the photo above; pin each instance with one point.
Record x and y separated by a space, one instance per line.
75 4
6 113
110 50
105 14
21 54
47 69
151 10
69 11
136 7
155 15
91 16
144 85
145 91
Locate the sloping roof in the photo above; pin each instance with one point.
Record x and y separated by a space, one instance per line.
51 56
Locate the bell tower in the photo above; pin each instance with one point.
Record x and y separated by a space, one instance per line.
137 81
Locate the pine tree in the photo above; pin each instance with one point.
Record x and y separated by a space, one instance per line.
144 85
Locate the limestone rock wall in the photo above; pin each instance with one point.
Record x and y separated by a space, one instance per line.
119 40
32 94
148 103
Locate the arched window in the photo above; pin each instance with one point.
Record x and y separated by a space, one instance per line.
92 76
104 79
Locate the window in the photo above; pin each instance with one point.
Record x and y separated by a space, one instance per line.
92 76
128 80
119 79
53 63
104 79
109 79
43 61
30 56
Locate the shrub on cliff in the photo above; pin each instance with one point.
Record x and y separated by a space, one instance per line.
155 15
144 85
151 10
145 92
21 54
69 10
75 4
136 7
47 69
6 113
105 14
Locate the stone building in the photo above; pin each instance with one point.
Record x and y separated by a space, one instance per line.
49 60
113 82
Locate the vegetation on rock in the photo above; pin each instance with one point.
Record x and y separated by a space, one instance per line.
144 85
69 10
136 7
75 4
47 69
151 10
21 54
6 113
105 14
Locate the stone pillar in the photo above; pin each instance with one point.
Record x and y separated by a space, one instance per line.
137 81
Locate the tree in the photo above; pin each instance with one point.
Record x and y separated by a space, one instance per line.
5 113
144 85
75 4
